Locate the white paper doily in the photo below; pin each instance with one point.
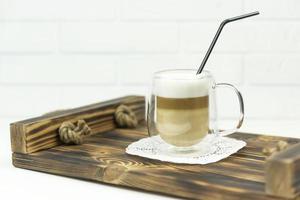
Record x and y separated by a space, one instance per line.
211 149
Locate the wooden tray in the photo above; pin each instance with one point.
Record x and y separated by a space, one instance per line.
248 174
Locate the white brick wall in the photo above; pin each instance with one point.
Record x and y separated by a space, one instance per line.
278 9
58 9
65 53
112 37
179 9
57 69
25 37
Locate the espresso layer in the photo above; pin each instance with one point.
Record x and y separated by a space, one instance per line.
182 103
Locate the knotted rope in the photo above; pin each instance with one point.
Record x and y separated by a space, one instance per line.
125 117
71 134
75 134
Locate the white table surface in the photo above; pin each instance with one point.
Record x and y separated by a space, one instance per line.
26 184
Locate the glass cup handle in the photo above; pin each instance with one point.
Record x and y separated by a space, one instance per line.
241 102
148 112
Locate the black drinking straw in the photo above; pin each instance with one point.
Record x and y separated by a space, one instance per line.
226 21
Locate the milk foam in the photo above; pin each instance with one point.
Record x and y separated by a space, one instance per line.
181 84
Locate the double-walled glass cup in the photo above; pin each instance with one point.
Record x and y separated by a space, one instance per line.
182 107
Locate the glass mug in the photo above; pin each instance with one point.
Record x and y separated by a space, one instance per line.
182 107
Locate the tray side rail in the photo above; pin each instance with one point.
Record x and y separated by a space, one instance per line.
36 134
283 173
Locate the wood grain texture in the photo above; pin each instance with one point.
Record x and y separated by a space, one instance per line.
283 173
102 158
40 133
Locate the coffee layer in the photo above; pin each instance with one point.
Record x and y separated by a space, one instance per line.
182 122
